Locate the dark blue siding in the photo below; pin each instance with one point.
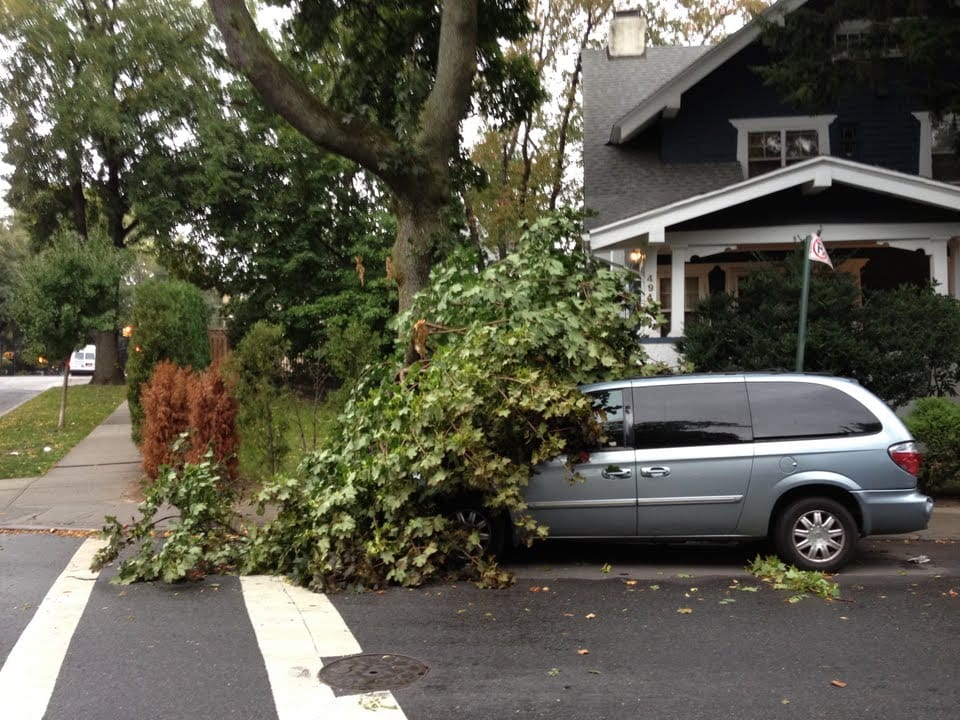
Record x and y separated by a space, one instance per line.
884 131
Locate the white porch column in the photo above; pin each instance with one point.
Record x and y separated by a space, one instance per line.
678 260
953 249
939 264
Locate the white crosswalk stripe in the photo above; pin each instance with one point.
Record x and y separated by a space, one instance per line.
294 629
31 669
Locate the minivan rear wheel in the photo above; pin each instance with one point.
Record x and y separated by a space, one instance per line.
815 534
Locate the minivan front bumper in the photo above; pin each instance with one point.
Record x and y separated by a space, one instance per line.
893 511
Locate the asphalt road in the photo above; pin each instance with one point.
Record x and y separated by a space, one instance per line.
17 389
588 632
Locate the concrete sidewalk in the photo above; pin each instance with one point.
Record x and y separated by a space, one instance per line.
101 476
98 477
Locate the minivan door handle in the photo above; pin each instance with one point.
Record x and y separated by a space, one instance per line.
615 474
655 471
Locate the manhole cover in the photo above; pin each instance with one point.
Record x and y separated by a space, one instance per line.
369 673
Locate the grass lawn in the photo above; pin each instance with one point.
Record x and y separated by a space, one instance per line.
26 432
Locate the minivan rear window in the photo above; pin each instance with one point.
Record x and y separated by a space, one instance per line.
794 410
695 414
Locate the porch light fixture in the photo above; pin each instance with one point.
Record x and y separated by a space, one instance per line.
637 256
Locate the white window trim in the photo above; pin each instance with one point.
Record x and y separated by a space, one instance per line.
745 126
925 163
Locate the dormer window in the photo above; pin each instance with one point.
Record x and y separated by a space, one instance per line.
765 144
768 151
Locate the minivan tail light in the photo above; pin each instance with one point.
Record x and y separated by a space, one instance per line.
908 456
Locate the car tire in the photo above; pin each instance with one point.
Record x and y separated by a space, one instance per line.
472 514
815 534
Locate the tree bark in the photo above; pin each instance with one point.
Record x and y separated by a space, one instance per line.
62 419
108 370
419 224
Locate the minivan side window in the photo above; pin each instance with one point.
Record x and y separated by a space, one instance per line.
608 405
805 410
694 414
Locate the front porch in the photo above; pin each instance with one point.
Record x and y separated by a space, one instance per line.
884 228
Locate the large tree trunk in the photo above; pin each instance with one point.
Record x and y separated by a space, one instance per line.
108 370
419 225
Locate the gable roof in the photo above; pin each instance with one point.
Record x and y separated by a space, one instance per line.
818 173
619 181
667 96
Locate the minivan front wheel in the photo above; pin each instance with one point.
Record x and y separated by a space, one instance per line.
815 534
473 516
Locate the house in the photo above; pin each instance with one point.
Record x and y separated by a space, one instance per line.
693 166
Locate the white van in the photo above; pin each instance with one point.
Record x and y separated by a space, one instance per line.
82 362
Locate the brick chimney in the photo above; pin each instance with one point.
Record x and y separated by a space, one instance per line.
627 37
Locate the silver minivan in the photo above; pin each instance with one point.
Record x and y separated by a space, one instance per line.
810 462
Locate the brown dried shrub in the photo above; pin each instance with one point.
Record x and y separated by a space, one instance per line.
213 414
175 401
166 405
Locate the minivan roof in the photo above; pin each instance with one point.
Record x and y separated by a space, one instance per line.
683 378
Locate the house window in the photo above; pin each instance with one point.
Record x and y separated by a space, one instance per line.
765 144
771 150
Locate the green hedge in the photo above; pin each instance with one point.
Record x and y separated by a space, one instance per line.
169 323
935 422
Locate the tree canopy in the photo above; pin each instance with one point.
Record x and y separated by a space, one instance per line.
103 99
290 233
64 292
386 86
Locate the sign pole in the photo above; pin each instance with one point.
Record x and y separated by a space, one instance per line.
804 294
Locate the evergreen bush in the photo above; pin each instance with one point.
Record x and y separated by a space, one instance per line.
901 344
166 408
169 323
935 422
258 371
213 423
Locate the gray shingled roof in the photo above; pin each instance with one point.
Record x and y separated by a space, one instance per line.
623 180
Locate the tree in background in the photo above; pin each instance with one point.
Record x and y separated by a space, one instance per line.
289 233
526 160
63 293
530 162
14 250
169 323
386 86
696 22
103 97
